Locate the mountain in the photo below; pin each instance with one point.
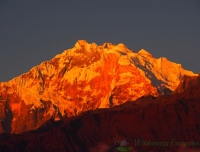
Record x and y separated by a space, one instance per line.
170 122
83 78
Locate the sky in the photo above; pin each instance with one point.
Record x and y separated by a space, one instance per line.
35 31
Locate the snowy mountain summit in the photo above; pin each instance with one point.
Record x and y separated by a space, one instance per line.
82 78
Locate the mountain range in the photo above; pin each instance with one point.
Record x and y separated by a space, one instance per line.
86 94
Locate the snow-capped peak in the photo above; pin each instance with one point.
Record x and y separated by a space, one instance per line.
89 76
81 43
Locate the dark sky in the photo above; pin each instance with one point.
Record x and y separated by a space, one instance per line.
32 31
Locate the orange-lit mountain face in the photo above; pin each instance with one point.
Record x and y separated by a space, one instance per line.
83 78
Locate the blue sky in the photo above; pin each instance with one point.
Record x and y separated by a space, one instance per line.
35 31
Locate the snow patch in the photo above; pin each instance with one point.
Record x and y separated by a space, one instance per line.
145 53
